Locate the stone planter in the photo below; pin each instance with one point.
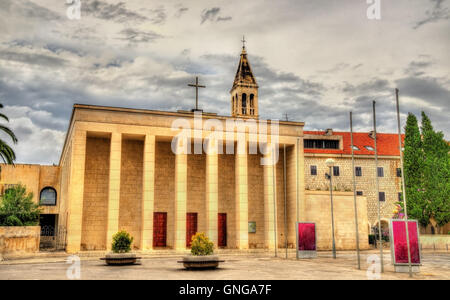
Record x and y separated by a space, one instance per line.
191 262
120 259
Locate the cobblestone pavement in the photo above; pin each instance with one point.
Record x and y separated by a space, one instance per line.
235 267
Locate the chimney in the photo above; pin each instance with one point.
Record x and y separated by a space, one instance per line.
372 134
329 131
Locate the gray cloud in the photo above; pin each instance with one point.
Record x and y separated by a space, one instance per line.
32 58
28 10
212 15
113 12
139 36
437 13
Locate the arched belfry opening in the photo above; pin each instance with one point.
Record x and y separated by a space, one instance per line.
244 93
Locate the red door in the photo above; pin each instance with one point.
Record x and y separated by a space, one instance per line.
222 229
191 227
159 229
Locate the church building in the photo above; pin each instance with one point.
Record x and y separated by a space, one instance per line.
123 168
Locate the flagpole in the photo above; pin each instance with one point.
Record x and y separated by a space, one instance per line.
285 201
377 186
297 206
354 194
403 182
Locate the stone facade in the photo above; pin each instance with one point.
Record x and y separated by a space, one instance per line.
390 184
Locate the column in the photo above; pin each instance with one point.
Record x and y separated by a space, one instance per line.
241 195
114 187
212 193
180 196
148 194
295 188
270 218
76 191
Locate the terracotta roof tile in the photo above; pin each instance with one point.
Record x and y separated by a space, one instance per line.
387 143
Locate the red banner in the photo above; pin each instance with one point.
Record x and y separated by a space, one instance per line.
400 244
306 236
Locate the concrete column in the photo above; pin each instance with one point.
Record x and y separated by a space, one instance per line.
270 191
180 197
295 179
148 193
241 169
212 193
114 187
76 192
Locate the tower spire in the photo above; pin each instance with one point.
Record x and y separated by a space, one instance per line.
244 93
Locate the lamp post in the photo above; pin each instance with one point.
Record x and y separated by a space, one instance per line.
330 163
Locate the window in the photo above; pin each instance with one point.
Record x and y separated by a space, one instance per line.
48 196
252 108
359 193
358 171
400 197
244 104
313 170
380 172
336 171
321 144
355 148
369 148
399 172
381 196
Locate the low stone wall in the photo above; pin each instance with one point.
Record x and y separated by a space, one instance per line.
318 210
19 240
435 241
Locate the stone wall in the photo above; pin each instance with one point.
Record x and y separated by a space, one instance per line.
130 214
95 198
256 200
19 240
227 195
196 192
318 210
165 185
390 183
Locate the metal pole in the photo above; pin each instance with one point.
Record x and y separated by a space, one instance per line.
403 182
285 201
377 186
297 206
274 200
332 214
354 194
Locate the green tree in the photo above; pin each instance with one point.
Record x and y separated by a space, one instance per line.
436 172
18 209
418 207
6 152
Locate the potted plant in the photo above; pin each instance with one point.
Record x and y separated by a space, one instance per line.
202 254
121 247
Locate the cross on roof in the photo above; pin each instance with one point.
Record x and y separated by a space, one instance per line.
243 42
196 85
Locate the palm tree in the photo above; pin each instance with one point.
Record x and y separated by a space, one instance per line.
6 152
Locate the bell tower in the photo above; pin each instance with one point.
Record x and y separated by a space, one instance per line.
244 93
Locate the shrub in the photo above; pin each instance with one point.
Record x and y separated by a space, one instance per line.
18 209
122 241
201 245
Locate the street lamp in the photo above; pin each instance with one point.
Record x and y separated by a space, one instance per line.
330 163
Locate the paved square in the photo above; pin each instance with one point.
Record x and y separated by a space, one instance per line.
236 267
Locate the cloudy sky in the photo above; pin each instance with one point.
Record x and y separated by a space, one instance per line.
313 59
